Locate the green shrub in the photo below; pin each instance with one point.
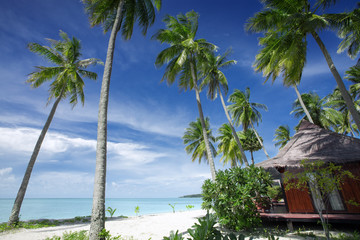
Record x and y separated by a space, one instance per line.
205 228
174 236
232 196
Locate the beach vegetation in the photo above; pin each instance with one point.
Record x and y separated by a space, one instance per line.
66 73
216 82
183 59
228 147
189 207
250 142
115 16
246 113
172 207
194 140
174 236
111 211
233 196
323 181
137 210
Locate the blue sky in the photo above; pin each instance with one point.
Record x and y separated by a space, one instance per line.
146 156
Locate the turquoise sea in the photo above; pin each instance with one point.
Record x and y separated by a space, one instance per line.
61 208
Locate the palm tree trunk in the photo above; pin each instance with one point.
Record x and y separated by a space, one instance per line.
302 104
98 209
14 217
257 136
201 116
233 130
344 93
252 158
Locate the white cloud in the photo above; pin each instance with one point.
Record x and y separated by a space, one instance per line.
7 181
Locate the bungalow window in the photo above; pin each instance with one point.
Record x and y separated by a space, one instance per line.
334 198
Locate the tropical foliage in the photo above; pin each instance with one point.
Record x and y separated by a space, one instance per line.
282 136
232 196
250 142
194 140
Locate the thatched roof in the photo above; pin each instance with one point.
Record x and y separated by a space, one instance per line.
315 143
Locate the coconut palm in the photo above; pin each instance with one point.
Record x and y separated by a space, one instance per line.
194 139
216 82
346 125
114 15
286 54
246 113
228 146
182 59
67 74
320 110
282 135
250 142
300 17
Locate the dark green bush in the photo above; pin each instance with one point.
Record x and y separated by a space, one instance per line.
232 196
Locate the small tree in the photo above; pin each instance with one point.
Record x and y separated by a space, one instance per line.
232 196
323 180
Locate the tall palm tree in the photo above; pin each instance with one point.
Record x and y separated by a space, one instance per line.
114 15
194 139
228 146
250 142
245 112
286 54
300 17
282 136
216 82
320 110
182 58
67 74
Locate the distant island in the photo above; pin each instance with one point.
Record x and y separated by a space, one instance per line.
192 196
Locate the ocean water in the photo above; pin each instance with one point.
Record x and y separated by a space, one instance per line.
61 208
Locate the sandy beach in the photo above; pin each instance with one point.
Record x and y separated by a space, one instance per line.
140 228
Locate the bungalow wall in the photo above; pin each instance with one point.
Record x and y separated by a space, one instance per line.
351 188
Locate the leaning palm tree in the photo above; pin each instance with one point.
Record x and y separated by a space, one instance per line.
194 139
246 113
67 74
216 82
320 110
113 15
286 54
300 17
282 136
182 58
228 146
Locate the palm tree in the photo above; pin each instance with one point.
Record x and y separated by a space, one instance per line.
245 112
282 136
299 17
346 125
182 58
250 142
320 110
215 81
228 146
286 54
67 82
114 15
194 139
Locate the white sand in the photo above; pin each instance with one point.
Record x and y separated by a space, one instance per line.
140 228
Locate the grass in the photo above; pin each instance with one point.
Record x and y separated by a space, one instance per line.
32 224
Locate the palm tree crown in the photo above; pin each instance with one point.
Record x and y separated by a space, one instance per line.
282 136
194 139
243 111
228 147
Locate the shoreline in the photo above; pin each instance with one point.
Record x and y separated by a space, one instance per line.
143 227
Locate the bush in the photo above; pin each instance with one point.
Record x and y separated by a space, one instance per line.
232 196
